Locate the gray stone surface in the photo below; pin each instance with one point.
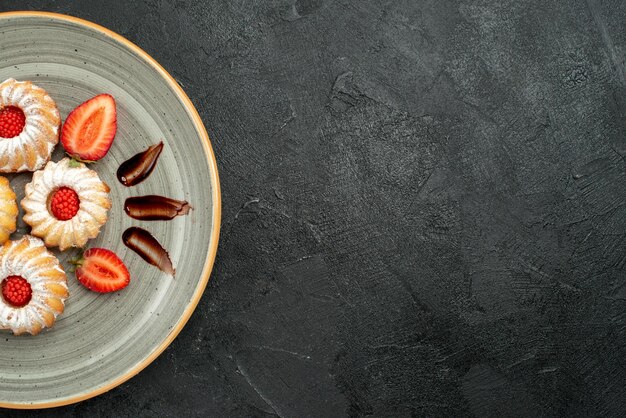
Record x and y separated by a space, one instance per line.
424 207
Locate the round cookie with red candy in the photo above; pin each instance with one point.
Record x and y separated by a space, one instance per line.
33 286
29 126
66 204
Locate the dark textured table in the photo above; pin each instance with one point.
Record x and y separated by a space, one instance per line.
424 207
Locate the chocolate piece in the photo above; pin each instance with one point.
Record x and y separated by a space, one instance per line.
155 208
138 167
143 243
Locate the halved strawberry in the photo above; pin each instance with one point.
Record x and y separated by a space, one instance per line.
89 129
102 271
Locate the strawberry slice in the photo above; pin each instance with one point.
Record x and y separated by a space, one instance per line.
89 129
100 270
